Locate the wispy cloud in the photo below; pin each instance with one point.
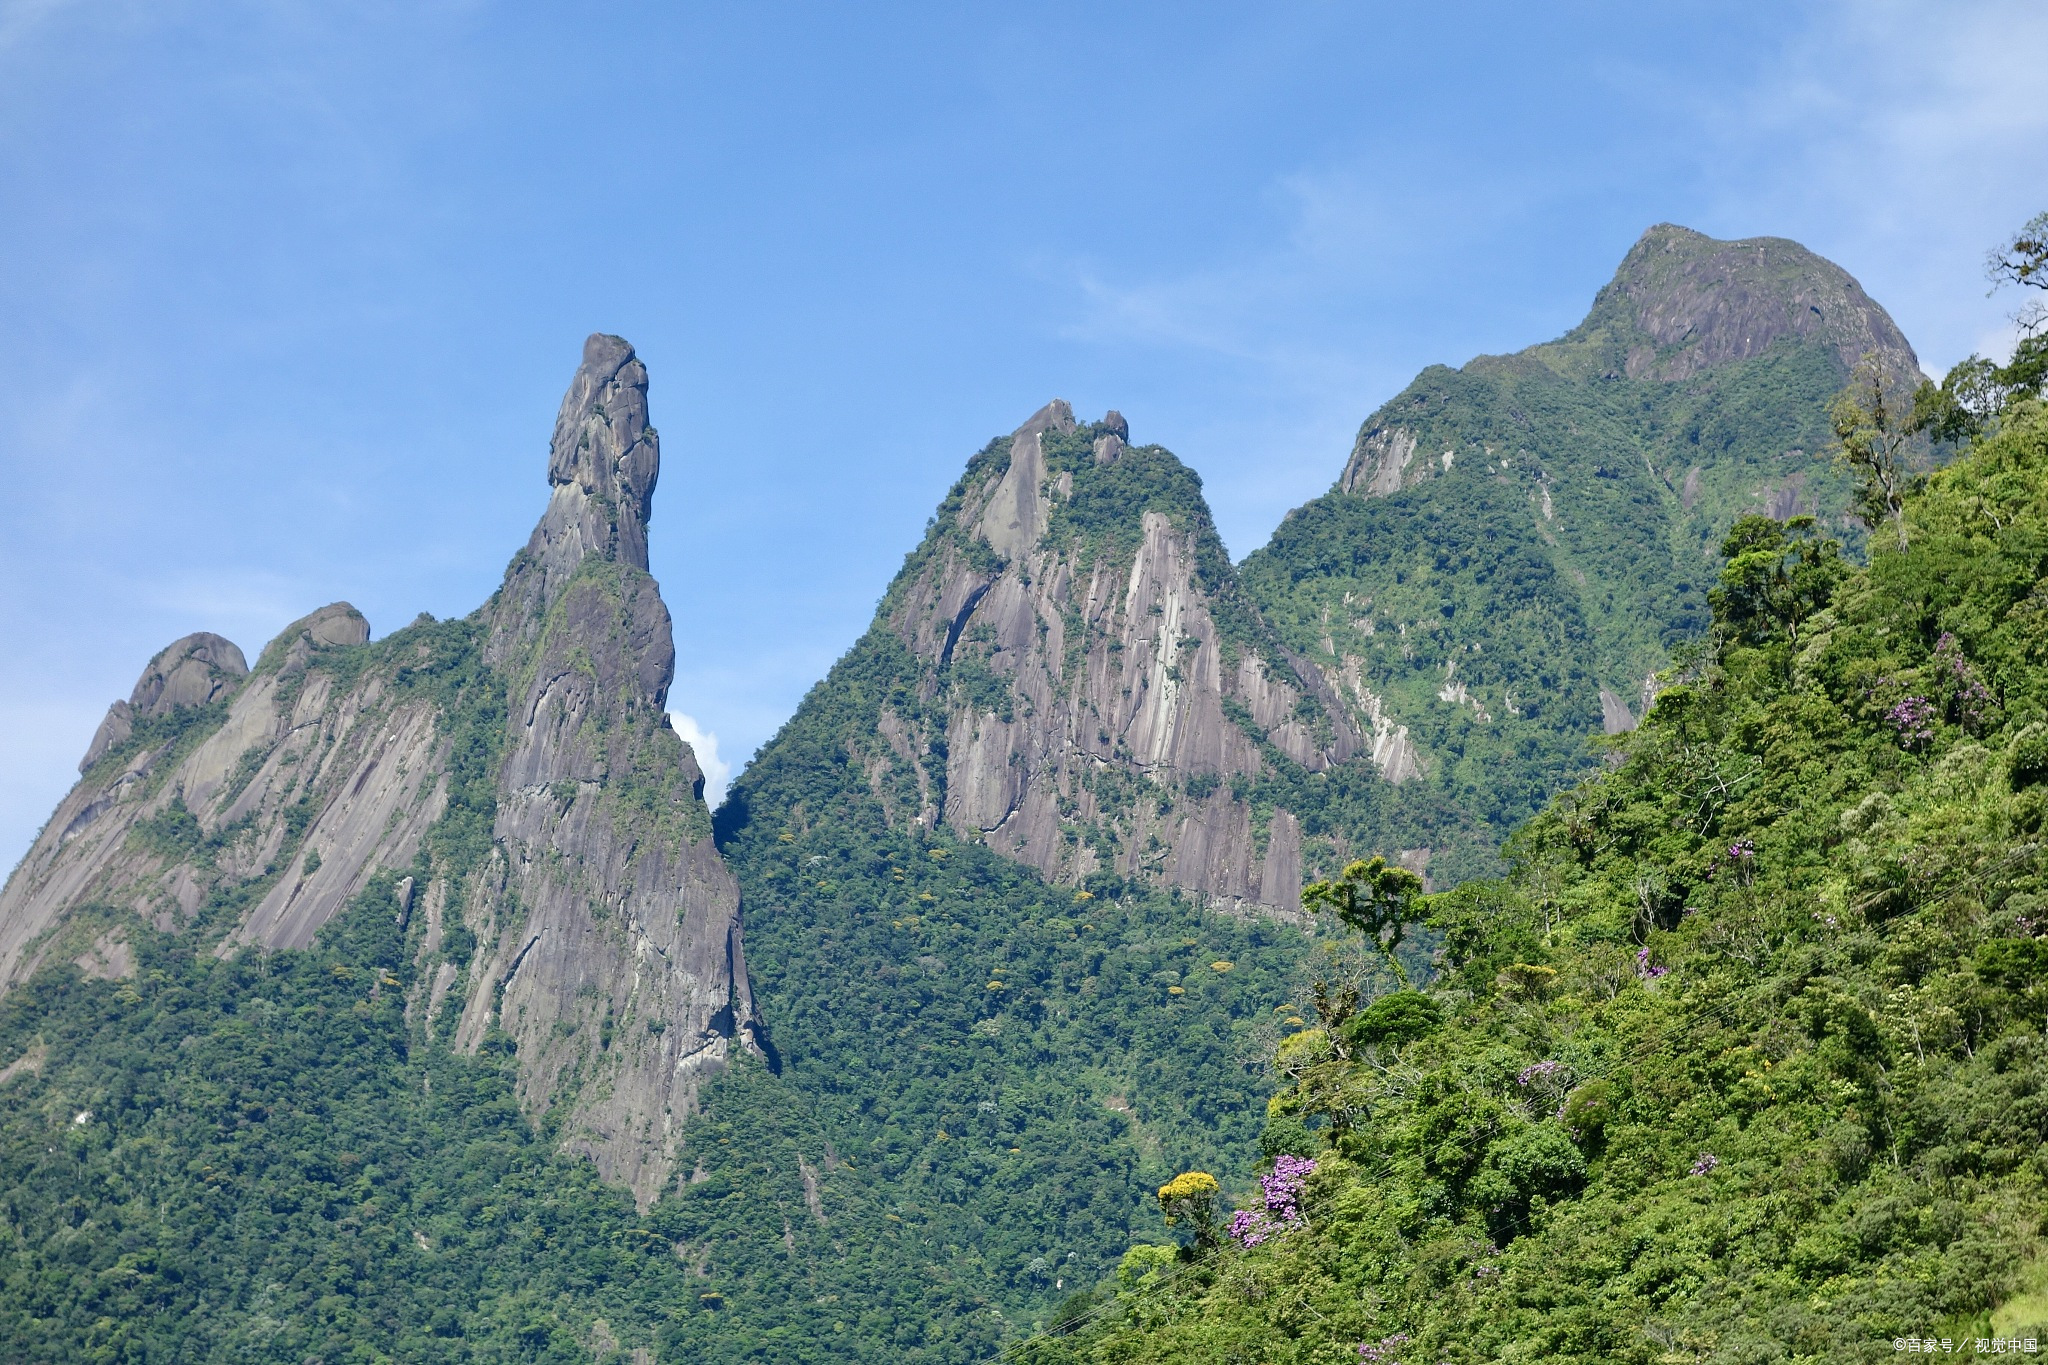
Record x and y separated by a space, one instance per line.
21 21
1905 140
247 605
717 772
1338 234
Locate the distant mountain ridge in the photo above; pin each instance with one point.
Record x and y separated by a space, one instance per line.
1513 549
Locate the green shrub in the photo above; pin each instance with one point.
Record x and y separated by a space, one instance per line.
1401 1017
2026 757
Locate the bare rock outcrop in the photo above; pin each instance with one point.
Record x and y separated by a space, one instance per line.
1701 303
191 672
606 929
1380 462
1091 695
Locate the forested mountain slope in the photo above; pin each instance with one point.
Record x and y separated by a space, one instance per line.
1746 1059
986 868
1515 547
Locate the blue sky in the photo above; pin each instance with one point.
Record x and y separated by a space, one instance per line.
289 291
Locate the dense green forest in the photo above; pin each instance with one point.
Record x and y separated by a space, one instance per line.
1014 1065
1745 1058
1558 540
1742 1060
262 1159
980 1078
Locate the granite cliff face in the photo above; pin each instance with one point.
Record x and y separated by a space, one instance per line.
1074 679
507 785
609 941
1513 548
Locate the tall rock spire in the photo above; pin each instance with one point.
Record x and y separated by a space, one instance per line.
607 903
603 462
605 926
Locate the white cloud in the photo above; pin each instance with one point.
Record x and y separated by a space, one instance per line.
717 772
1902 141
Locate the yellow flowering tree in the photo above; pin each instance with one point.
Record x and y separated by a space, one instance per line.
1191 1196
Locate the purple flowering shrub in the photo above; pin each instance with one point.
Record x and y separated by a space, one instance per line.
1385 1351
1913 720
1545 1084
1968 698
1282 1188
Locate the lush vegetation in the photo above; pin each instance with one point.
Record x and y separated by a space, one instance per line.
980 1078
1562 542
258 1160
1005 1067
1745 1059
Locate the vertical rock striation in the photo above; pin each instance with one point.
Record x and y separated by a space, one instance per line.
510 781
1066 671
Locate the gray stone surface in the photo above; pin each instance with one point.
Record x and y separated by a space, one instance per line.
1702 303
1142 695
603 462
191 672
116 728
608 939
1381 463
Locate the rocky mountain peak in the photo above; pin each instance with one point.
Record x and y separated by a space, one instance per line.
331 627
1514 546
508 786
1681 304
1698 303
191 672
1082 688
603 462
1015 514
194 671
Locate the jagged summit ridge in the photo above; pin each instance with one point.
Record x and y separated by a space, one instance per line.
252 806
1079 685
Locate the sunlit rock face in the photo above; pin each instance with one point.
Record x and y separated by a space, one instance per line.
507 786
1081 687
